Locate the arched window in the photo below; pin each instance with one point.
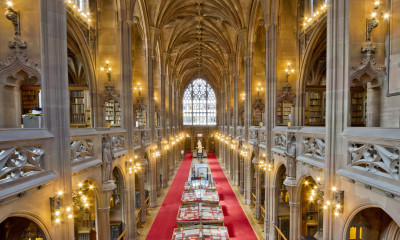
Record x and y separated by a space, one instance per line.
199 104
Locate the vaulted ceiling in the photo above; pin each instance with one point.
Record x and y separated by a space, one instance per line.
199 36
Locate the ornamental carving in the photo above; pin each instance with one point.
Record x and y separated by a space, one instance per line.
81 150
314 147
118 146
377 159
17 62
280 140
20 162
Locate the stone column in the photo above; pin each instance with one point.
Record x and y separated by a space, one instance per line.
258 191
270 108
142 197
163 119
247 124
103 210
150 58
337 91
56 99
235 159
228 121
127 115
241 183
295 218
158 172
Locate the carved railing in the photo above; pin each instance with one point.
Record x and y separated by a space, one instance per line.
280 140
253 135
137 138
373 159
82 149
306 144
145 136
19 162
262 135
239 132
87 146
24 162
311 146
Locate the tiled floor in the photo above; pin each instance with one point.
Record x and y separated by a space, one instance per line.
248 210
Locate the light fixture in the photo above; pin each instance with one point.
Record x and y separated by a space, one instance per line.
335 201
58 209
259 89
138 88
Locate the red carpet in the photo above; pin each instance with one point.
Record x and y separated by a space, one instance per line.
165 222
235 220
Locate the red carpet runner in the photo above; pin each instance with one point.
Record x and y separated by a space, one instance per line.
235 220
165 222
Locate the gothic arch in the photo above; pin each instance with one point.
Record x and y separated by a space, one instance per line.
351 213
38 220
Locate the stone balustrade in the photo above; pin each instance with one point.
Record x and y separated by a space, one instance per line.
373 159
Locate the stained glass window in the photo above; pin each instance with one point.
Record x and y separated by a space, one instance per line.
199 104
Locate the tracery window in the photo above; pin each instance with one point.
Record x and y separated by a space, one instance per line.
199 104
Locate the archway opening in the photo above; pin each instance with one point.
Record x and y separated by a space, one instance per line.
16 228
373 224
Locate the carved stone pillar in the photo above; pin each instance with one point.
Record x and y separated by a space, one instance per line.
158 177
248 180
142 196
55 93
241 183
295 218
258 191
103 210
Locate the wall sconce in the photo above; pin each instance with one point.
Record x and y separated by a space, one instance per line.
244 152
259 89
289 70
107 69
154 152
59 211
372 21
133 166
138 89
335 201
14 17
109 87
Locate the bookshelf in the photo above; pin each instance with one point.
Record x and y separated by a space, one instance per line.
358 107
141 118
77 108
315 110
113 113
29 98
283 112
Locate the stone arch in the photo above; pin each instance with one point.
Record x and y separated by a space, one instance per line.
355 211
36 219
317 43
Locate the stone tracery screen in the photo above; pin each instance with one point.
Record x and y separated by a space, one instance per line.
199 104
